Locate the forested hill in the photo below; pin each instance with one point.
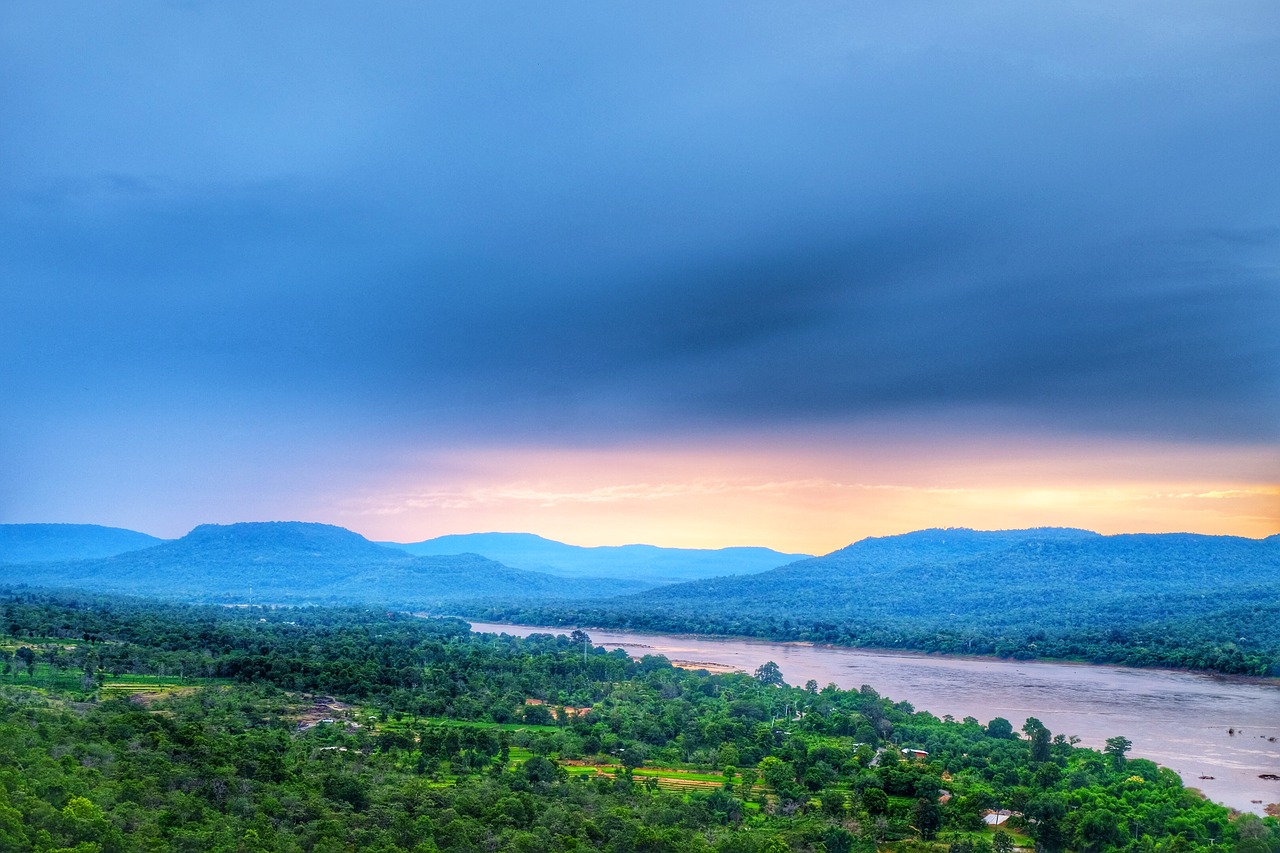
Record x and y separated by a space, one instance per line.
33 543
295 562
637 562
1209 602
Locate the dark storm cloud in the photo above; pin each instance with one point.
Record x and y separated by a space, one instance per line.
508 221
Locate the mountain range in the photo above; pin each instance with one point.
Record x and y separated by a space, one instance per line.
638 562
41 543
941 578
300 563
293 560
1170 599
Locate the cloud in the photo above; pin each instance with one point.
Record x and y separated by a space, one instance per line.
543 495
424 226
1221 494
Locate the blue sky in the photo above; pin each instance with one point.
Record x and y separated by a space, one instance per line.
307 260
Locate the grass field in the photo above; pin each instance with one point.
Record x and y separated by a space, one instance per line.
129 685
45 677
70 680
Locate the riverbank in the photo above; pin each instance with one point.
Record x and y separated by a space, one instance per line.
1177 718
886 651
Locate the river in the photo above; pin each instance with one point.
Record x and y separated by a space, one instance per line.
1181 720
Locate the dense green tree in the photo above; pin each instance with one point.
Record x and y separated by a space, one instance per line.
769 673
26 657
928 818
999 727
1040 738
1116 748
875 801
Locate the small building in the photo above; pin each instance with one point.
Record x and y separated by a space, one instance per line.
915 753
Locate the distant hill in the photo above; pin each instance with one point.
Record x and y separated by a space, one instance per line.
950 578
1170 599
295 562
40 543
638 562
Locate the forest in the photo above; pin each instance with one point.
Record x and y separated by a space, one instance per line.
301 563
128 724
1169 600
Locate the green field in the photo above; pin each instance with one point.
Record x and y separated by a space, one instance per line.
68 679
128 685
46 677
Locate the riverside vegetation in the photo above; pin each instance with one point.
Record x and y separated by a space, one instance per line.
1168 600
127 724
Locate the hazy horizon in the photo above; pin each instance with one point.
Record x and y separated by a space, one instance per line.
621 544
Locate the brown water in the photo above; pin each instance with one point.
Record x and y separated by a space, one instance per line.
1178 719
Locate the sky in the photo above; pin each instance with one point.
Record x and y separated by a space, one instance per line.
690 274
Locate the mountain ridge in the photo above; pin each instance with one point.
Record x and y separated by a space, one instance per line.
40 543
299 563
651 563
1173 599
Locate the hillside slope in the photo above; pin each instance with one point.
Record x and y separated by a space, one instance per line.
294 562
942 578
41 543
638 562
1169 599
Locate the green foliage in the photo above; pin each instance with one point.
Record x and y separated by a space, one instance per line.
301 563
1040 738
769 673
1173 600
418 759
1116 748
999 727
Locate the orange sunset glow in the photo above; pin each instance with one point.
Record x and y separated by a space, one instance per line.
818 499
